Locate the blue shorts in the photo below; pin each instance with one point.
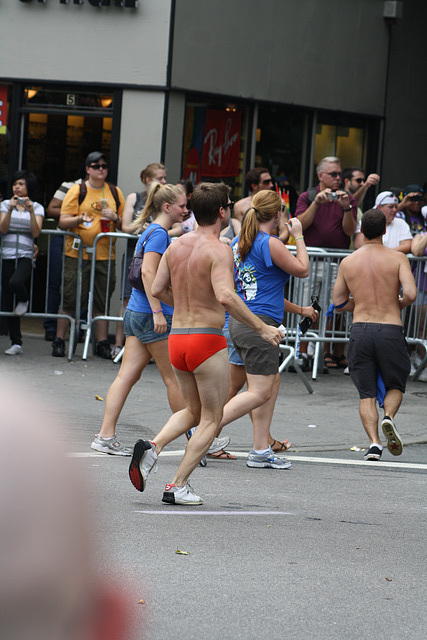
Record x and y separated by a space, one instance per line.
141 325
233 356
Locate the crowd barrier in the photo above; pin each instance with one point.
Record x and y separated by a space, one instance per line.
324 265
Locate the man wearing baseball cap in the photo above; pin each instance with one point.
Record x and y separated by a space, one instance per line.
398 235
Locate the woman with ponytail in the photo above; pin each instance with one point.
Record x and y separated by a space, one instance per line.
262 267
147 321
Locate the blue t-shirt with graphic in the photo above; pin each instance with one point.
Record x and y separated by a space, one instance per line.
158 242
259 282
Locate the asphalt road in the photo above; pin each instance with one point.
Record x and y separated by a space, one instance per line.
333 548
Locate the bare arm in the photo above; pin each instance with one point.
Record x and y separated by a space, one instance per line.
407 281
54 208
404 246
160 286
359 240
149 268
371 180
68 222
128 213
305 312
419 244
298 265
341 293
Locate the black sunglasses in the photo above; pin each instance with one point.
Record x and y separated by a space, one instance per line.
359 180
229 204
266 181
334 174
98 166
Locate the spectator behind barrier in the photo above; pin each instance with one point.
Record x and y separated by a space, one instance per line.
21 220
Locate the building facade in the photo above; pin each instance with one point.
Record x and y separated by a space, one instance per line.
211 88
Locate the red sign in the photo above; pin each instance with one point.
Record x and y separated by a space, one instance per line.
3 108
221 143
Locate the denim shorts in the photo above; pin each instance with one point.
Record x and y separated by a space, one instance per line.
141 326
233 356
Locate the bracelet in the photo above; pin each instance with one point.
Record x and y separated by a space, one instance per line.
349 209
158 311
299 238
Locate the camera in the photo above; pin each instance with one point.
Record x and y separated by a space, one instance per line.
306 323
332 196
21 201
417 198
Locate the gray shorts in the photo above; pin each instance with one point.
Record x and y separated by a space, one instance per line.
259 357
380 347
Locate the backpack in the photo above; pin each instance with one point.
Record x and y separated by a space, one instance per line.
113 189
134 272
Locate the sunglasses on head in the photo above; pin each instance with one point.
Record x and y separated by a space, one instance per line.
98 166
334 174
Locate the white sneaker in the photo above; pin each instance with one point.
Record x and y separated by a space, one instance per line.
21 308
144 459
14 350
218 444
180 495
346 371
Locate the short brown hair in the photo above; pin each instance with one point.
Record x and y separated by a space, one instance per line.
206 200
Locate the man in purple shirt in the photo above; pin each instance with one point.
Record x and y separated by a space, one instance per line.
328 216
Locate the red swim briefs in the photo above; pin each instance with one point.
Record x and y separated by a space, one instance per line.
188 348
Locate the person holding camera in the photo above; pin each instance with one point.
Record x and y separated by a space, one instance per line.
21 220
409 208
328 215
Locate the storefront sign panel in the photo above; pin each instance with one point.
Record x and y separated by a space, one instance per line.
122 4
221 143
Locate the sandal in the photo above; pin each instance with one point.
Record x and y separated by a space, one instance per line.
221 455
330 361
277 445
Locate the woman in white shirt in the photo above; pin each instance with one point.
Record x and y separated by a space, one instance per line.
21 220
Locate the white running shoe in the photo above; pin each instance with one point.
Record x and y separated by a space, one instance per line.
143 460
111 446
180 495
14 350
266 460
21 308
218 444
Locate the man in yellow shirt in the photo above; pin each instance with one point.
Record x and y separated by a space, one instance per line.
89 209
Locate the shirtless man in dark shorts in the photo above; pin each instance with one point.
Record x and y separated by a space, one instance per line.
200 269
373 276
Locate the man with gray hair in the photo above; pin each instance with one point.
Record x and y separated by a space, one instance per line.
398 235
328 215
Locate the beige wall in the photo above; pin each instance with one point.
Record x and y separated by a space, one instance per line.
64 40
140 136
326 54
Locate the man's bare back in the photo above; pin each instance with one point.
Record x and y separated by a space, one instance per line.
373 275
197 262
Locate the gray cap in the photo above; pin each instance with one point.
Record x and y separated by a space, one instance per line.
95 156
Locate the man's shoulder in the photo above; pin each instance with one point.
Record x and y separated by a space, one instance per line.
244 202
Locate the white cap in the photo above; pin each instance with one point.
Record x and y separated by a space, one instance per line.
385 197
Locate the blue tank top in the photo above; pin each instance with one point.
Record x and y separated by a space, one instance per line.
259 282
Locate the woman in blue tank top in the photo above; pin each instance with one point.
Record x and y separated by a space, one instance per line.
147 321
262 267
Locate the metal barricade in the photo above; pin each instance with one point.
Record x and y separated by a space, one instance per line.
323 268
91 319
73 319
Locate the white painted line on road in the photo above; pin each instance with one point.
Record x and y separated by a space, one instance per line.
291 457
182 512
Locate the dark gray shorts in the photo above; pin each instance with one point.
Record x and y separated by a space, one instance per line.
259 357
380 347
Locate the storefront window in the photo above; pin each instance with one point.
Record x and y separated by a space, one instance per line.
4 138
67 99
214 143
341 136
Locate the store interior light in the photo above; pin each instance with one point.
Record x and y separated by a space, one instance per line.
106 101
30 93
231 107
